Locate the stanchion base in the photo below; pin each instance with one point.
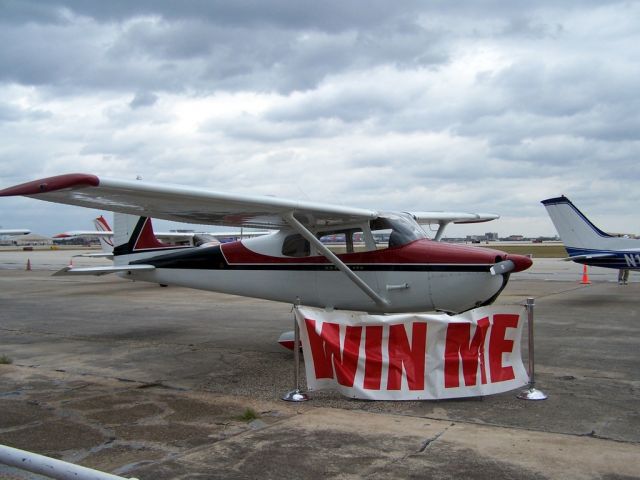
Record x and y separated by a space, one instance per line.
295 396
532 394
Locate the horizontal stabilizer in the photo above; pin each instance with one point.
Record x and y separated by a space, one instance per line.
70 270
95 255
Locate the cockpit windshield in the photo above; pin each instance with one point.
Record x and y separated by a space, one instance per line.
401 229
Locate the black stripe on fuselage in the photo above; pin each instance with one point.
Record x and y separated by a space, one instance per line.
211 258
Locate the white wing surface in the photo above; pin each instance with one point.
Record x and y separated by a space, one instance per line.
85 233
425 218
183 204
442 219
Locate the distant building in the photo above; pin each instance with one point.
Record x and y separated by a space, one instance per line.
32 239
514 238
491 236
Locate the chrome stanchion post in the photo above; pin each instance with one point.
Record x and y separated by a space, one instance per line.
531 393
296 395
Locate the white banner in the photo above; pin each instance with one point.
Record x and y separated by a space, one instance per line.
413 356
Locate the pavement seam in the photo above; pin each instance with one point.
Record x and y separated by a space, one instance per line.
592 434
143 384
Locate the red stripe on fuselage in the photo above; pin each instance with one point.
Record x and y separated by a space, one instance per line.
417 252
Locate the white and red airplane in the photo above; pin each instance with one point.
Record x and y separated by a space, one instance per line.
411 274
177 238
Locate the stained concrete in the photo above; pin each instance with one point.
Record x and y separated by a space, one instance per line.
154 382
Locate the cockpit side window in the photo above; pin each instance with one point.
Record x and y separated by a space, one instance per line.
343 241
295 246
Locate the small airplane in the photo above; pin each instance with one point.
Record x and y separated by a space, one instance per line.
410 274
177 238
587 244
102 232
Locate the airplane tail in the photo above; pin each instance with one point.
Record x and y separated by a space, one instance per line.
134 238
102 225
575 230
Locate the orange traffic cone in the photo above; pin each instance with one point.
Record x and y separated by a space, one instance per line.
28 264
585 276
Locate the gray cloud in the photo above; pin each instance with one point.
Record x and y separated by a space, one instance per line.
485 105
206 46
143 99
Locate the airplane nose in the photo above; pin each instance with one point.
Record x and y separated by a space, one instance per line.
521 262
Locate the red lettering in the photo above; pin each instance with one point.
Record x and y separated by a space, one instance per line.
412 358
373 357
326 353
458 346
499 345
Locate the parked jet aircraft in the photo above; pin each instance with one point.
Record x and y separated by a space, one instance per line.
292 265
587 244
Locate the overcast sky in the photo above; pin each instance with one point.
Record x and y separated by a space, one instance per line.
486 106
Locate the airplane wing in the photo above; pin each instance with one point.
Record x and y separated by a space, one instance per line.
424 218
84 233
15 231
184 204
442 219
171 237
590 256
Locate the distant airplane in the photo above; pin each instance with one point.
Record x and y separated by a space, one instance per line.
587 244
15 231
411 274
105 236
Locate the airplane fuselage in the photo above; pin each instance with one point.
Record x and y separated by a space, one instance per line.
618 259
421 276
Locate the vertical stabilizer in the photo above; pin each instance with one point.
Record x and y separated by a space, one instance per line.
575 230
134 235
106 242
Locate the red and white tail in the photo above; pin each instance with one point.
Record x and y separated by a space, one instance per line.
106 242
134 235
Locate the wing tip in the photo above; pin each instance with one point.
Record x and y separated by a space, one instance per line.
51 184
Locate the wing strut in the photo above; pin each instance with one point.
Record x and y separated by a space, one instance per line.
329 255
441 227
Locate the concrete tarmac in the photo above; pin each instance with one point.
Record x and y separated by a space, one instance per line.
156 383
